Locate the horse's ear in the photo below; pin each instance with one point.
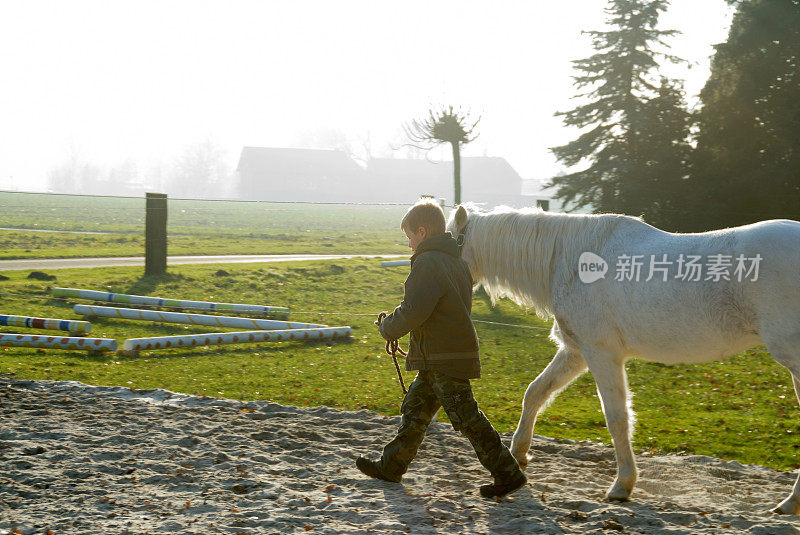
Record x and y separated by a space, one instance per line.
461 217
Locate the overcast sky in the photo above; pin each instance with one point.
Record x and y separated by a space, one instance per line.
114 80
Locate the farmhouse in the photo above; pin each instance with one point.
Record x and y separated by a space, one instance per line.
313 174
278 174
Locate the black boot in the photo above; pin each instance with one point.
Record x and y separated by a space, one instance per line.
374 469
496 490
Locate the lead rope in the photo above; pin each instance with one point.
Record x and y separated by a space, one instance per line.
393 347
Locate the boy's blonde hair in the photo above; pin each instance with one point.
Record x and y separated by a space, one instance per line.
426 214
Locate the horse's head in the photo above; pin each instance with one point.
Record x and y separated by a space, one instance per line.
458 226
511 252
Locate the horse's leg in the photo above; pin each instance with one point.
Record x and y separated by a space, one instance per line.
562 370
791 505
608 370
781 353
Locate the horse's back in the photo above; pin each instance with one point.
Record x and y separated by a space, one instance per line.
776 293
778 238
776 246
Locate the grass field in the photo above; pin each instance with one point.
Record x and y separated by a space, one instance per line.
193 227
742 408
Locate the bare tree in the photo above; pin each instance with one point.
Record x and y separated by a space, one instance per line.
399 144
445 125
358 147
325 138
200 171
66 177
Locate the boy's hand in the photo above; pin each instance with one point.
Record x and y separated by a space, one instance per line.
380 318
378 322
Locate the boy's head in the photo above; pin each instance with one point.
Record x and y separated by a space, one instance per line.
423 220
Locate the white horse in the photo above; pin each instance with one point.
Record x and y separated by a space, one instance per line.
618 288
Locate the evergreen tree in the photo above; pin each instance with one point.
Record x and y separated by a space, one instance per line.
632 127
658 190
747 166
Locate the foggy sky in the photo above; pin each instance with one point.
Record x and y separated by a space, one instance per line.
109 81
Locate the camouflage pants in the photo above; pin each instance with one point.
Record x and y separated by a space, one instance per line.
429 391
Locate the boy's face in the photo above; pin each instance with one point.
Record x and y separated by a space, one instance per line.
415 238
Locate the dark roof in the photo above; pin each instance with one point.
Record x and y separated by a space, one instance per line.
479 174
272 160
284 173
398 166
489 175
482 165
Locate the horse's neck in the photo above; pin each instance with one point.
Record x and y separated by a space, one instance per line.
517 258
525 254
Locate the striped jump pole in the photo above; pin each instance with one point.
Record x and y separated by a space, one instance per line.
268 311
190 319
395 263
73 327
245 337
58 342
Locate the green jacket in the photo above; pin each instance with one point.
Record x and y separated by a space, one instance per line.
436 310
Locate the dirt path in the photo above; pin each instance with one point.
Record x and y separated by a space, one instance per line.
97 460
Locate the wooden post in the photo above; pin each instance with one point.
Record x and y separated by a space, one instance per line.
155 234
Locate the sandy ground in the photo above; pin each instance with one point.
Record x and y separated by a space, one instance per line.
99 460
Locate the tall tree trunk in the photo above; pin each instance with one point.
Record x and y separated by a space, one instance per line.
456 173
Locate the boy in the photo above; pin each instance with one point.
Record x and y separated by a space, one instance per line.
443 347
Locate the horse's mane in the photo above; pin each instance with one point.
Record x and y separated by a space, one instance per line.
515 253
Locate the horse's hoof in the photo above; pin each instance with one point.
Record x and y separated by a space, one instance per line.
617 493
788 506
524 463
